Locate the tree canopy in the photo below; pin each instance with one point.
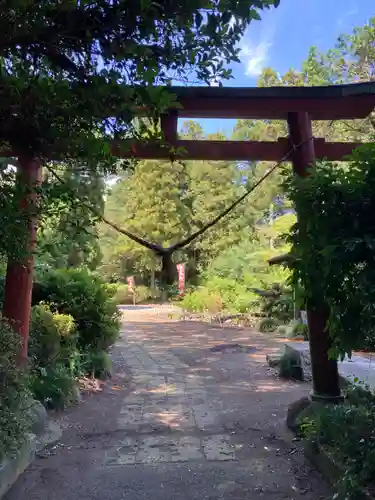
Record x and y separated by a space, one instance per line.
72 74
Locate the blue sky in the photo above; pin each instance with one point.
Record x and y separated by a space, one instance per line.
284 35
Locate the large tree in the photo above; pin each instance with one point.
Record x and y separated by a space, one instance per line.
68 232
194 210
150 203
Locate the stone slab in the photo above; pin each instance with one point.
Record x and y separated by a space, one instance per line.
12 468
218 447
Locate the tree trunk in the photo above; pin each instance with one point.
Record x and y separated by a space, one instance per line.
19 274
168 270
152 280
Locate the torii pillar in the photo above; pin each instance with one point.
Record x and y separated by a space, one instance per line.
19 274
324 369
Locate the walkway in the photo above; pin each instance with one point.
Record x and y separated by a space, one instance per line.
200 417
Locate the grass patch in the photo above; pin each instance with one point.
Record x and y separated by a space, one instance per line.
347 433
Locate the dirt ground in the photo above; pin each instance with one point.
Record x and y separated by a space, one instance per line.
191 412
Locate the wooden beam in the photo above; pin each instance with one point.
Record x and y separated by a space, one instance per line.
344 108
233 150
329 102
223 150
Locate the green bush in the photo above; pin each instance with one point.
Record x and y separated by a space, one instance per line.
267 325
281 330
54 355
123 295
14 393
97 364
279 306
53 386
202 300
347 432
301 330
145 294
368 344
219 294
235 296
52 336
89 300
142 294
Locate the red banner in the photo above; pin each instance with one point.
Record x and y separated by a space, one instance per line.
181 278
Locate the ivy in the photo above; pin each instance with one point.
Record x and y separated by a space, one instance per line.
14 393
334 245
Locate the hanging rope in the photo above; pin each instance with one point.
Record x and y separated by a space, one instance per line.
181 244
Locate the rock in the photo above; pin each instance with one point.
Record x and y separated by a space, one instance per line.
290 365
51 435
295 411
12 467
273 360
38 416
299 356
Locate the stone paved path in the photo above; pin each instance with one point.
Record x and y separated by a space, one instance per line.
202 417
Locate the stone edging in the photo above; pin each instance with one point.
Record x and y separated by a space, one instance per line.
320 459
12 468
46 433
328 468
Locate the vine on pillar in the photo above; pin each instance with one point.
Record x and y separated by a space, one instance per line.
324 369
19 274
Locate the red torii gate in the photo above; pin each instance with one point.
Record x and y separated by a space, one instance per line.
297 105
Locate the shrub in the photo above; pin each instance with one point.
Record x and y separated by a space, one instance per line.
97 364
44 341
347 432
268 325
278 306
142 294
281 330
14 393
301 330
123 295
52 336
368 344
89 300
55 359
219 294
201 300
53 386
235 296
67 330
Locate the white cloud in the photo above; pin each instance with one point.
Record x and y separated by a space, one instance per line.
254 56
258 40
